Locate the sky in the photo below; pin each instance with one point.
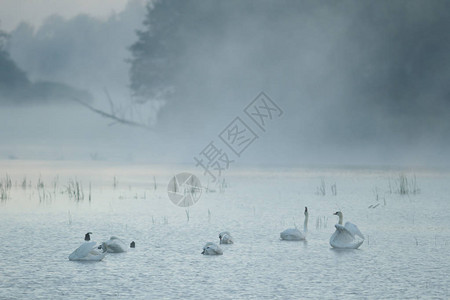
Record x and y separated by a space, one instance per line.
359 82
12 12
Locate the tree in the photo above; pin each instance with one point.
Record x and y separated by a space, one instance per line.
156 52
12 79
15 86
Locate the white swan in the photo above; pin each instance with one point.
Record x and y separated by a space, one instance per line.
293 234
212 249
225 238
115 245
88 252
346 237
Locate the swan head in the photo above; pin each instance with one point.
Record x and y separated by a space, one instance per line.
87 236
133 244
102 247
339 214
206 248
306 210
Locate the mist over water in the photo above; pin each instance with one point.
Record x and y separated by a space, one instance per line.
102 104
362 83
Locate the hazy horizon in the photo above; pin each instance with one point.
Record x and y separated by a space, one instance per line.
359 83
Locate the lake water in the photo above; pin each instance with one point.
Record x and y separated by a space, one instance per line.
405 254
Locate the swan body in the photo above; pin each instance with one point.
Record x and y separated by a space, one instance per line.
347 236
293 234
225 238
212 249
88 252
115 245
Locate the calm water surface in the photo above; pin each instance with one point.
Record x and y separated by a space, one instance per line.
405 254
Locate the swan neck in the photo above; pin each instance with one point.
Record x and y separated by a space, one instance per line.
305 224
341 218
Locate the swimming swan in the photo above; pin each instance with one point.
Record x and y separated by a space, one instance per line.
115 245
346 237
212 249
225 238
88 252
293 234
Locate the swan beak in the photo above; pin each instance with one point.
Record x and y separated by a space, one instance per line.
203 252
335 214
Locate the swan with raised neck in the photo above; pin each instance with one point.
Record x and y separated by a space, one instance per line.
305 224
341 217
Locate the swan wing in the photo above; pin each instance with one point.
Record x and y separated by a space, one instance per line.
343 232
353 229
342 238
82 251
115 245
208 244
216 249
94 255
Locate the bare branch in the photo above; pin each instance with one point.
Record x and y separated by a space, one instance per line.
111 115
109 100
